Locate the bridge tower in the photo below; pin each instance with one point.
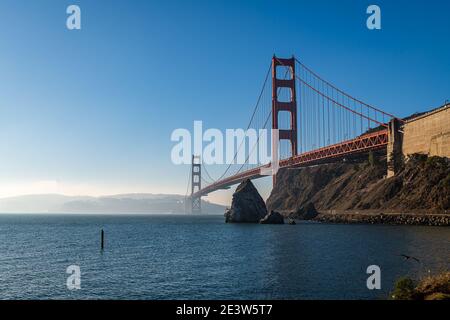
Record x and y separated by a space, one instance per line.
290 106
196 174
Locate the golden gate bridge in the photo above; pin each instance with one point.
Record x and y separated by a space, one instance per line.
325 124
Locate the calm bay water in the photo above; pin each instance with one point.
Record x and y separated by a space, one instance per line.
201 257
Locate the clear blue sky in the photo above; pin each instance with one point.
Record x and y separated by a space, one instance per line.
91 111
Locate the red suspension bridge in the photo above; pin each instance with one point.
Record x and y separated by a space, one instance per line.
324 125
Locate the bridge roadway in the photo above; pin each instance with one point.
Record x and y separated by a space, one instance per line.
362 144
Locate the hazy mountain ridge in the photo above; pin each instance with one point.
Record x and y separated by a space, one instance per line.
120 203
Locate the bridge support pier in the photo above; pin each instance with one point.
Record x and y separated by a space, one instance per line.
196 176
394 148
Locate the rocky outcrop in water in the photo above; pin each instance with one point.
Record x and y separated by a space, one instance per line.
247 205
272 218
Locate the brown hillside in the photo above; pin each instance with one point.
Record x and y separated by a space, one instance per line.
422 185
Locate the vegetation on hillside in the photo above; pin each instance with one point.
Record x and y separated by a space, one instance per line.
429 288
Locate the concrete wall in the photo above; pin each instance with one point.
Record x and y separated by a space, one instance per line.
394 148
428 134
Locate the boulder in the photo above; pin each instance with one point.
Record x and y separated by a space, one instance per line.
307 212
272 218
247 205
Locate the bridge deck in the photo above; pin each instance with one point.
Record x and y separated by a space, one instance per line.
364 143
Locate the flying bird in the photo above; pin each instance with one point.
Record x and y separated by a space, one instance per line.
409 257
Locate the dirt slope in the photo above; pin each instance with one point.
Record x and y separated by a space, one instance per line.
423 185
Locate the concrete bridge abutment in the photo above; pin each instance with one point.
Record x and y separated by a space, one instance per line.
394 148
427 134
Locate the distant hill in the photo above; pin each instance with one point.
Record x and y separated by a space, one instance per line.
121 203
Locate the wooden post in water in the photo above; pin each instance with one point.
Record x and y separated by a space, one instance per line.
102 239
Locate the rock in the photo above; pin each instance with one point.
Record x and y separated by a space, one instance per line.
292 222
272 218
392 219
247 205
307 212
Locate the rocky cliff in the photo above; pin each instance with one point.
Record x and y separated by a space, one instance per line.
272 217
247 205
423 185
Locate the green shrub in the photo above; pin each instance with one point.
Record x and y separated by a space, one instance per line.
434 161
435 287
403 289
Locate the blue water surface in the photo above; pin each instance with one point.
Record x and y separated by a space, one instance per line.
201 257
